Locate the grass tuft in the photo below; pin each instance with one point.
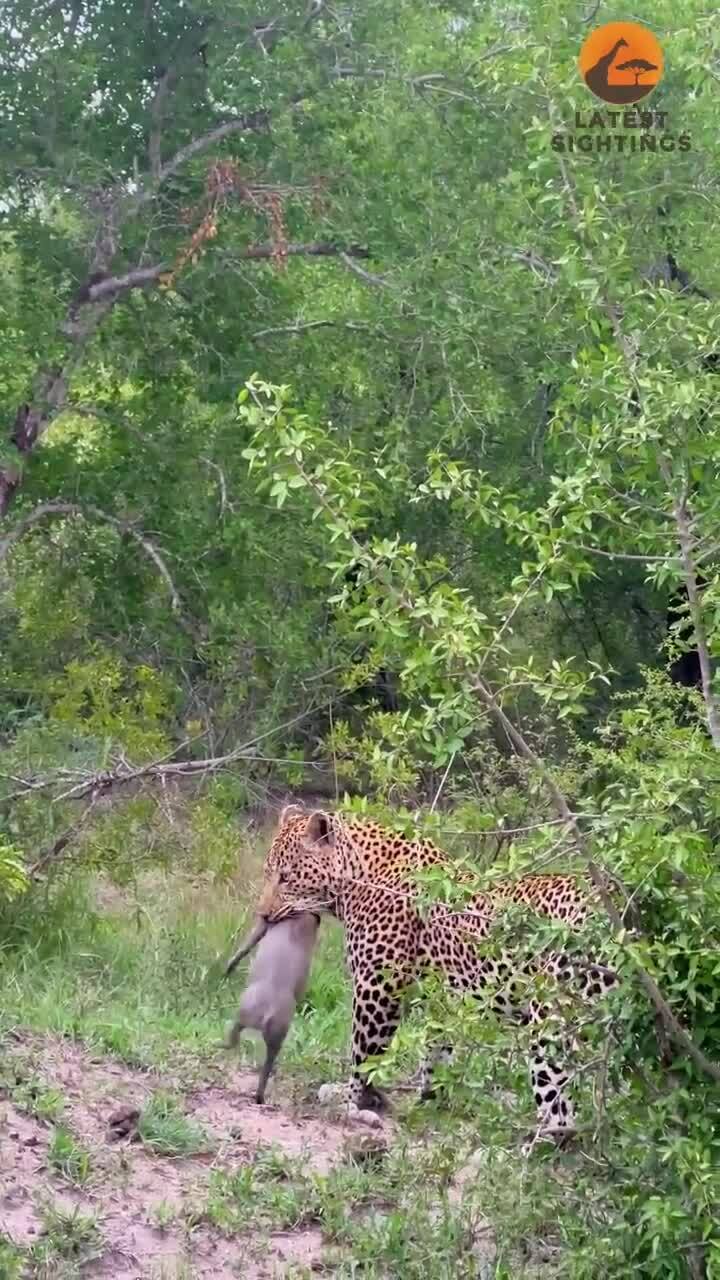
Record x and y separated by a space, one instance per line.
166 1130
71 1240
28 1092
68 1158
12 1259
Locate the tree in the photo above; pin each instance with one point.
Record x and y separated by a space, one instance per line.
639 66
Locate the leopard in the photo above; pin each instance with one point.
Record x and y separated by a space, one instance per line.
364 875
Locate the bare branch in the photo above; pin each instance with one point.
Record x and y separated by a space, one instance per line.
123 773
34 417
222 483
157 114
367 276
303 327
251 122
94 783
74 509
135 279
621 555
314 249
140 277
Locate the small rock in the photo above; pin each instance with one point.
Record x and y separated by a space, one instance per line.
369 1118
364 1116
123 1124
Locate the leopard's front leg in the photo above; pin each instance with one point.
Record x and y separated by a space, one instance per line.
375 1018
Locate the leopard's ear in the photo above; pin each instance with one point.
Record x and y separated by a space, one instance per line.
290 811
319 830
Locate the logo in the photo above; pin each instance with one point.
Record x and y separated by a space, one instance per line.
621 62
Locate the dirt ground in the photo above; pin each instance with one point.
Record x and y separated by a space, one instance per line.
130 1188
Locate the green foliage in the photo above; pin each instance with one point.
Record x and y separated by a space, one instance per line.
12 1261
13 879
101 699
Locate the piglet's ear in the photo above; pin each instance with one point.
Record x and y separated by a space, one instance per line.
319 831
290 811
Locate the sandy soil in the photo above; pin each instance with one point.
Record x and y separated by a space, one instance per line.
130 1186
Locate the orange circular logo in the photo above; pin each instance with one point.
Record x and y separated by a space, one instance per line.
621 62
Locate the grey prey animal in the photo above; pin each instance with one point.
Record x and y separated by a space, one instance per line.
278 977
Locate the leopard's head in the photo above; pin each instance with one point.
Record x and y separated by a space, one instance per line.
301 871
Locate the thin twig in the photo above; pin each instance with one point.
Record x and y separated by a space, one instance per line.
621 555
222 484
62 841
443 780
305 326
367 276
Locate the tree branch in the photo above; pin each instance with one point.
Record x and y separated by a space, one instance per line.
138 278
313 249
252 121
74 509
122 774
157 115
222 484
347 255
51 389
34 417
621 555
303 327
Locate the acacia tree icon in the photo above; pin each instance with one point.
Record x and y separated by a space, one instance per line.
638 65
